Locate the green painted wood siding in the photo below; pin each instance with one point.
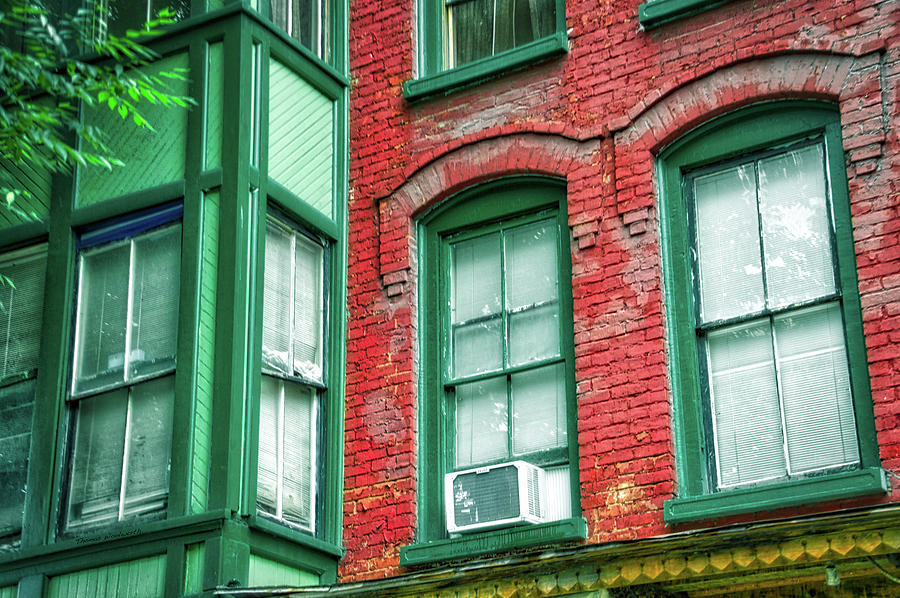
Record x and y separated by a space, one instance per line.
193 568
143 578
205 352
266 572
151 158
36 182
301 138
215 94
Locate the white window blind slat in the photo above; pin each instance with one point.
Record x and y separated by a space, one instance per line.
16 409
269 423
481 422
308 294
475 278
23 301
299 455
731 281
277 299
539 410
530 266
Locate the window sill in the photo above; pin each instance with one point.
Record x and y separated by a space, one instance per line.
806 491
658 12
284 532
486 68
567 530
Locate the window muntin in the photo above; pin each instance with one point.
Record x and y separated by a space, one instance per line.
293 378
476 29
505 369
769 318
123 374
20 335
307 21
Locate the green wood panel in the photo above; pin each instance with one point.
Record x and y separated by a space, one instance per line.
25 178
301 138
205 353
143 578
151 158
8 592
215 92
266 572
193 568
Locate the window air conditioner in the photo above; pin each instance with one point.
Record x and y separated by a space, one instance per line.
494 496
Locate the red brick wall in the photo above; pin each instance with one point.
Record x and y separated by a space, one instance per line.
595 117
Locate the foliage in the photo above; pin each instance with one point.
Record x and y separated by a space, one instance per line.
49 66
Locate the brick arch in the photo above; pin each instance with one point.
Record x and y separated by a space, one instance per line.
481 160
851 82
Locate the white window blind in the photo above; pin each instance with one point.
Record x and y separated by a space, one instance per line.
779 385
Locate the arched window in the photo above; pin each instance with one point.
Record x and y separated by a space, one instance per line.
772 399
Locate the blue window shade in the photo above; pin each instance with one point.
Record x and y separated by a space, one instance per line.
131 225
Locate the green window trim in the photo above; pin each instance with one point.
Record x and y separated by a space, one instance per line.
659 12
760 127
480 206
435 78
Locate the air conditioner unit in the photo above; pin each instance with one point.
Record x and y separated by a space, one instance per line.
494 496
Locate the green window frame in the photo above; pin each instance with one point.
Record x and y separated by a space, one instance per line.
21 305
294 381
122 395
659 12
492 215
441 69
703 327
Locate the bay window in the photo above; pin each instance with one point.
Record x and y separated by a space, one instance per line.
307 21
292 375
122 393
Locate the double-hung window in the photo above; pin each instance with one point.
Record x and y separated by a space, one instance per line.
292 375
21 303
497 372
466 41
768 361
123 382
307 21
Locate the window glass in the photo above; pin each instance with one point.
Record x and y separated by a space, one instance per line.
123 384
21 306
770 321
479 28
307 21
118 16
292 359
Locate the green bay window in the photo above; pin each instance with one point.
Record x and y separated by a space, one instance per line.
768 360
292 375
123 387
21 304
497 367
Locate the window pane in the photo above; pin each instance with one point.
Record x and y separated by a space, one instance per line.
477 347
278 283
16 408
480 28
149 446
534 334
531 264
796 231
20 314
539 409
308 294
130 14
746 411
269 419
154 317
304 20
99 446
818 409
102 315
299 454
481 422
475 278
728 244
